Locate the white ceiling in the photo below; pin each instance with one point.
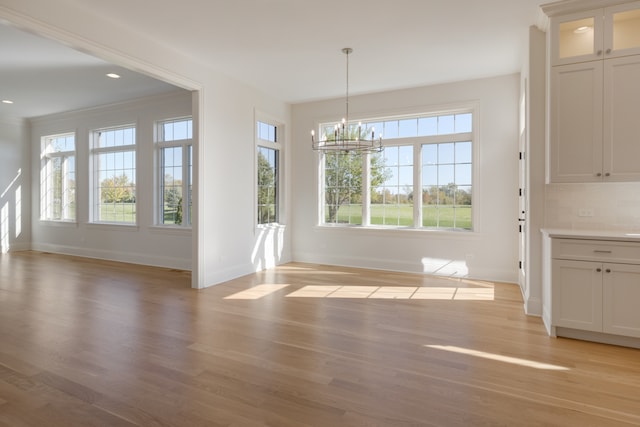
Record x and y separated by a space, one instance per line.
43 77
291 49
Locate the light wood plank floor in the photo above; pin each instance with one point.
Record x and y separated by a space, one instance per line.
94 343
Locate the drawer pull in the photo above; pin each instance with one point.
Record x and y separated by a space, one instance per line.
601 252
598 270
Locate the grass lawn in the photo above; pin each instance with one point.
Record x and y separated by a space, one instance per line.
118 212
445 216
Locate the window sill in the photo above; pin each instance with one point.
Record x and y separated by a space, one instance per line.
110 226
55 223
170 229
380 231
261 228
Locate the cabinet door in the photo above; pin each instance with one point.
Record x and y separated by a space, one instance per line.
622 119
576 294
621 299
576 37
575 146
622 30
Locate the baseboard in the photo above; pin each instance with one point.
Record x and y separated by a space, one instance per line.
486 274
19 247
546 319
533 306
128 257
598 337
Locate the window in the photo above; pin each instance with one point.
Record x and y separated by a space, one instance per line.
114 175
268 170
392 191
174 142
58 178
343 188
429 154
446 185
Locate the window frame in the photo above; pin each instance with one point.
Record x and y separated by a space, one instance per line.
276 144
95 152
46 157
471 107
186 146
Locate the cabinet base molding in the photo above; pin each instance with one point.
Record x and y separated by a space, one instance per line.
597 337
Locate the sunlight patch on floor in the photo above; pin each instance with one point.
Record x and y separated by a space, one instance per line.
256 292
395 292
499 357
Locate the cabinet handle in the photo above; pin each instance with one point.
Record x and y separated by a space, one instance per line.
608 51
598 174
607 174
599 251
599 52
598 270
608 270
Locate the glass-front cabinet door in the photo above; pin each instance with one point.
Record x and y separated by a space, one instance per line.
596 34
622 30
576 37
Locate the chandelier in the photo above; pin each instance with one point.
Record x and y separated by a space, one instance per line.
347 137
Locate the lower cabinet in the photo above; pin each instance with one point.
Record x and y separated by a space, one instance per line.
621 299
595 286
577 294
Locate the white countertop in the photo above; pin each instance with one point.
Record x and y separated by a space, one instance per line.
592 234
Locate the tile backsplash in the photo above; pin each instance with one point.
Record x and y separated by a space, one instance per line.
594 206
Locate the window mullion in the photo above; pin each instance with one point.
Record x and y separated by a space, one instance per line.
366 190
417 185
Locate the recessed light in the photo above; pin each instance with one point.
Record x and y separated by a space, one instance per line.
7 101
113 75
581 30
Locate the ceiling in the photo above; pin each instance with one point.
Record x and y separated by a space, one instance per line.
43 77
290 49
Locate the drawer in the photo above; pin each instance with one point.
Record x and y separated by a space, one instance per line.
596 250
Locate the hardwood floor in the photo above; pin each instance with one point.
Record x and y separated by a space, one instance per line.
95 343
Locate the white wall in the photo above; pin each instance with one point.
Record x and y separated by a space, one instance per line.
15 229
144 243
490 252
226 241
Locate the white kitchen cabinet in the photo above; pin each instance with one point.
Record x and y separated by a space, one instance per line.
594 287
577 294
594 98
621 119
595 34
621 296
576 132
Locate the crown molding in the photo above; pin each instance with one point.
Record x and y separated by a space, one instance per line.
564 7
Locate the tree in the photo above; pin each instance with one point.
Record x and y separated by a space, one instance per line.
179 212
117 189
266 190
343 178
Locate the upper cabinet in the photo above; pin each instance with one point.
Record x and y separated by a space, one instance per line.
594 97
596 34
